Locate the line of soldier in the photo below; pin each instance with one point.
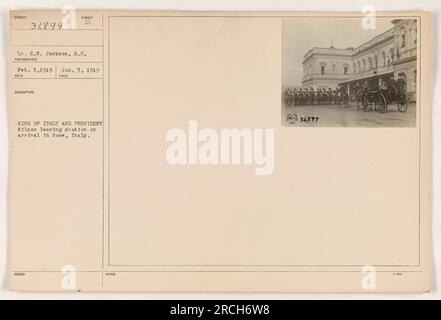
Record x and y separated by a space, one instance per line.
308 96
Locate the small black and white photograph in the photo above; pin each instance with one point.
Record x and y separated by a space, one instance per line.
349 72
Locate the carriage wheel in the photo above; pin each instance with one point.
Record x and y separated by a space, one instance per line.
381 103
402 104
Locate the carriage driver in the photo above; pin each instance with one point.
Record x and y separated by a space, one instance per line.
401 84
392 85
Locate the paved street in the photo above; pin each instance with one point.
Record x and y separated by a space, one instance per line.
334 116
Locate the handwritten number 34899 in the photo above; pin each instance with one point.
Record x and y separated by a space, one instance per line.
46 25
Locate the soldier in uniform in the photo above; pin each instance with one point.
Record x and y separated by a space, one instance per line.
342 95
322 96
301 96
311 96
329 96
295 97
336 95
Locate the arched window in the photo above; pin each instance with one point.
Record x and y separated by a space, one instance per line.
403 38
345 69
391 54
359 66
364 65
383 56
371 65
322 69
375 61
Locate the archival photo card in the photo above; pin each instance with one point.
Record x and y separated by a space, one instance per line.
148 152
350 72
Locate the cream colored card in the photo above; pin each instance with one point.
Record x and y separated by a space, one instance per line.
220 151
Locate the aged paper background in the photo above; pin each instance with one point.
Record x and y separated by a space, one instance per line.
339 198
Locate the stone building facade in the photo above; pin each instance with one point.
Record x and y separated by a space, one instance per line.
384 56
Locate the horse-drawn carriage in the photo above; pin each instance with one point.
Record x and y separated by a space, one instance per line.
380 100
